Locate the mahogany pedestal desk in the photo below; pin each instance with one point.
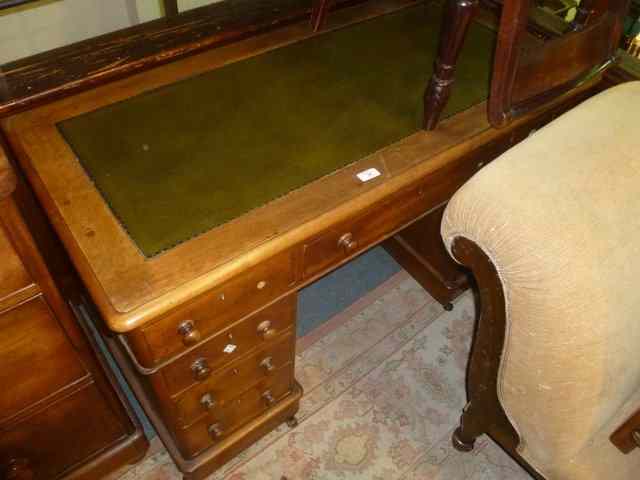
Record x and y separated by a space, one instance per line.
201 316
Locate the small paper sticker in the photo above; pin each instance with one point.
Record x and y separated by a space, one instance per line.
230 348
368 174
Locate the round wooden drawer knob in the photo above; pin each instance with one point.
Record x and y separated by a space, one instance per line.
201 369
266 331
636 437
267 364
190 334
348 243
216 431
268 397
18 469
208 402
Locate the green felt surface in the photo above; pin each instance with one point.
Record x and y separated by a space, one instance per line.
185 158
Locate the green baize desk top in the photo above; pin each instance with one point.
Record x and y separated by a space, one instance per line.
185 158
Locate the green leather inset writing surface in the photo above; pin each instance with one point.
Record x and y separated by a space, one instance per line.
180 160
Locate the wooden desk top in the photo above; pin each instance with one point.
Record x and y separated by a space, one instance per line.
131 289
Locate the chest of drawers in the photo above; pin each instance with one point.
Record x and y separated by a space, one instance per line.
61 413
234 378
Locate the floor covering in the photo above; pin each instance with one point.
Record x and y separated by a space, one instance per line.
384 386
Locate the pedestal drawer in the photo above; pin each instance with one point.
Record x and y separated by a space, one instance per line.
236 413
258 330
58 437
215 393
193 323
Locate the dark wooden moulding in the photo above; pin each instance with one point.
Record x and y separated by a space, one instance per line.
53 74
627 436
63 71
55 286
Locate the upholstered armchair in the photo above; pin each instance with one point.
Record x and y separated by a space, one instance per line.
551 232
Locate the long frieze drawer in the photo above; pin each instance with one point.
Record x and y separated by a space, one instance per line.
258 330
210 312
216 392
343 241
36 356
56 438
236 413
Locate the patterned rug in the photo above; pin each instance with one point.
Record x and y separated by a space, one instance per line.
384 387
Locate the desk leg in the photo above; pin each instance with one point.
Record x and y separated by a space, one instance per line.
455 24
420 251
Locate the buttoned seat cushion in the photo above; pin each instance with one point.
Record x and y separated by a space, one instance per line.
559 215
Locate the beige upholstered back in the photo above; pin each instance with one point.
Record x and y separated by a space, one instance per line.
559 215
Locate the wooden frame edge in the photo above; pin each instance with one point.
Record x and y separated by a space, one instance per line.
484 413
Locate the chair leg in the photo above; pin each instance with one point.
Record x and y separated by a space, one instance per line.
484 412
470 428
455 25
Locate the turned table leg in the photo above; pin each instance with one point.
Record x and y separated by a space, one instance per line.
455 24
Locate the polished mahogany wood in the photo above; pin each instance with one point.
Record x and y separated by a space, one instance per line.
419 248
225 385
420 251
627 436
55 381
458 15
525 76
214 311
230 343
484 413
7 175
220 423
16 285
528 73
54 74
224 445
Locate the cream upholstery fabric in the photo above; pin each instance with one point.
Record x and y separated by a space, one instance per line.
559 215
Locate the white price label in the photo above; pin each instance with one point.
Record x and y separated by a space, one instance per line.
368 174
230 348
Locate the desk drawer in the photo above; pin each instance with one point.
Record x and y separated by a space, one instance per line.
214 310
59 436
260 329
353 236
36 357
215 393
236 413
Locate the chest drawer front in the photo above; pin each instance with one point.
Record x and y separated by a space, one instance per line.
36 356
13 275
60 436
352 237
236 413
215 393
216 309
258 330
